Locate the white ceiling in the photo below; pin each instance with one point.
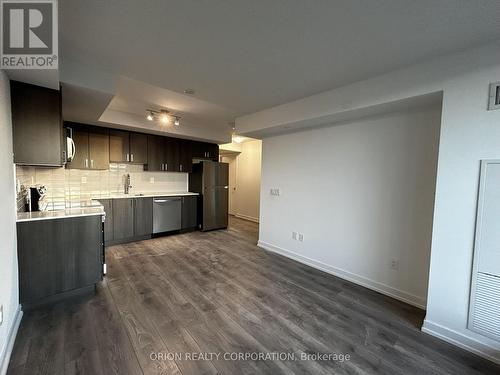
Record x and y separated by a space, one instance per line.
242 56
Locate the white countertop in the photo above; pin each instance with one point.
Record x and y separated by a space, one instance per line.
59 214
92 207
149 195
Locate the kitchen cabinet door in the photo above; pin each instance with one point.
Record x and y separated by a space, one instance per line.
156 154
185 156
189 211
198 150
138 148
143 216
99 149
81 158
119 145
123 218
213 151
171 147
204 150
59 255
36 125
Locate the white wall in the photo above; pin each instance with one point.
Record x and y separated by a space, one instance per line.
362 194
248 180
9 297
246 199
469 133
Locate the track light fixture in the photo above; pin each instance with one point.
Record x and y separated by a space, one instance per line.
163 115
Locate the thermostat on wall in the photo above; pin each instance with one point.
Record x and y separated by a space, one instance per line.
494 102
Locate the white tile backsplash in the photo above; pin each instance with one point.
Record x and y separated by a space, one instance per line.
66 187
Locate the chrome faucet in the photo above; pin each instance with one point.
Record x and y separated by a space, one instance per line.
127 186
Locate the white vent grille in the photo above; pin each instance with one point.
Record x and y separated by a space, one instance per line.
494 100
486 309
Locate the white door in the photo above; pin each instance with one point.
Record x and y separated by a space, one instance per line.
485 294
233 161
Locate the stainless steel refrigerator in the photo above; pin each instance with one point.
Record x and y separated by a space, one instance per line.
211 180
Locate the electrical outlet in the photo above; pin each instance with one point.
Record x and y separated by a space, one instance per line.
301 237
395 264
84 180
275 191
151 180
294 235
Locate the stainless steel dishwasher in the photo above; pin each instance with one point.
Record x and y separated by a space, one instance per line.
167 213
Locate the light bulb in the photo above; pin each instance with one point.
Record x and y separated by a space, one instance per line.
149 117
164 118
176 122
237 139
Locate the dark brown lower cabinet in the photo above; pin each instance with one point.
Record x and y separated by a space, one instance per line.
189 211
58 256
131 219
143 217
123 218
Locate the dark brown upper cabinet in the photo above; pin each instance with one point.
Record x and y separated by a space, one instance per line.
185 156
119 145
155 152
91 147
138 148
156 155
127 147
37 128
171 149
164 154
99 149
204 150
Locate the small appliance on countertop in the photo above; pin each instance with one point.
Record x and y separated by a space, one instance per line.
34 199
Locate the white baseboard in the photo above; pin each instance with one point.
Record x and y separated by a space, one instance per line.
11 338
343 274
246 217
462 341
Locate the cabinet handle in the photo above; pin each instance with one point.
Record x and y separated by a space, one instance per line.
86 163
166 166
91 163
181 167
131 157
128 158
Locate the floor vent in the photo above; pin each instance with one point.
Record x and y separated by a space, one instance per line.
486 308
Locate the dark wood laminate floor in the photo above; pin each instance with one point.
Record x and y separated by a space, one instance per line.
217 292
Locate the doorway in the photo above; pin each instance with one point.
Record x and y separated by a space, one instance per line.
232 160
